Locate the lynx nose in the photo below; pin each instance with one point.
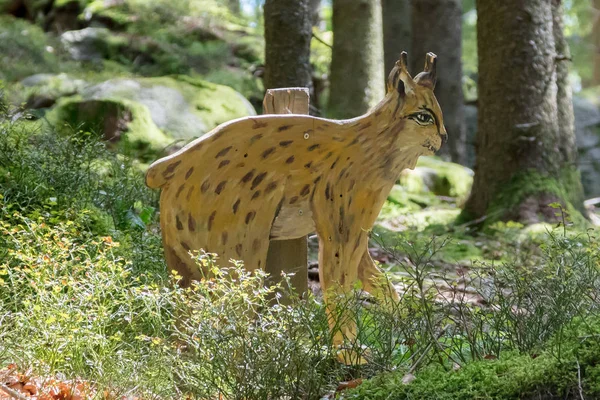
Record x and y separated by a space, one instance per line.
444 134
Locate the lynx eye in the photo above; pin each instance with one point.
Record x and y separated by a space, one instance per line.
424 118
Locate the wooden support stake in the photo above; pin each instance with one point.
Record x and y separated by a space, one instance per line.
288 255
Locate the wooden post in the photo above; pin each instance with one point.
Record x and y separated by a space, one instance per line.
288 255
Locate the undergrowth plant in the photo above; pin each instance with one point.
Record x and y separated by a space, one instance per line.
43 173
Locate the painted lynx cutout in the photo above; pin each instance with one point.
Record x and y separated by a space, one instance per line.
278 177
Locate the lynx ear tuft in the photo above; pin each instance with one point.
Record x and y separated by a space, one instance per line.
400 79
428 77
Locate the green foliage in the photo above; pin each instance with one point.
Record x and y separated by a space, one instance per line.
526 328
24 50
44 174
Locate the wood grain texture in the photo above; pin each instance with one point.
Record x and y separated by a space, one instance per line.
288 255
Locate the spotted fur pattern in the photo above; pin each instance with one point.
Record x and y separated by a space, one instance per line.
279 177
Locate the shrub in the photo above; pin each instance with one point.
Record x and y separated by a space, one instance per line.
65 175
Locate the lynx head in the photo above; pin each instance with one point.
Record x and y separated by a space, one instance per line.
416 105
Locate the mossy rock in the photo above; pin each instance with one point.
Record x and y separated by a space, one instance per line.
151 113
438 177
43 90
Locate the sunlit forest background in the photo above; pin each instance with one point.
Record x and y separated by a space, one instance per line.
492 243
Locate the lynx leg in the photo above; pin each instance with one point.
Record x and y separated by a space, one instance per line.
338 273
374 281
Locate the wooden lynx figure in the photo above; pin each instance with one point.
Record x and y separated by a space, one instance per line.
277 177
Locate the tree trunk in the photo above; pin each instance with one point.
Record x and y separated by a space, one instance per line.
315 12
396 31
437 27
234 6
357 77
596 36
525 140
288 31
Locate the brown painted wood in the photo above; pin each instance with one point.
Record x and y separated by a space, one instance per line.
282 177
289 256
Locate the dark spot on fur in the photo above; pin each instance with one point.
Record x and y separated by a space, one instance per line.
334 163
305 190
236 205
256 194
211 219
278 208
353 142
223 163
328 155
313 147
259 178
238 249
188 196
248 176
255 138
342 218
245 155
293 199
337 253
223 152
352 183
270 187
205 186
327 192
170 169
178 223
308 164
283 128
286 143
218 135
241 165
179 190
268 152
191 223
290 160
250 216
365 126
185 246
258 124
224 237
259 262
189 173
317 179
220 187
342 172
357 243
256 245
